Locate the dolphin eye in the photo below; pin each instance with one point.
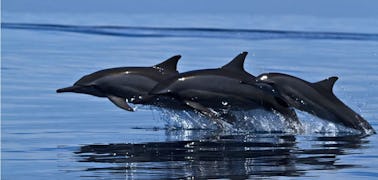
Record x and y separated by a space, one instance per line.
94 87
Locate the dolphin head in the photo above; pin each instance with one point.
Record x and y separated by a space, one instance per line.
85 85
265 80
268 82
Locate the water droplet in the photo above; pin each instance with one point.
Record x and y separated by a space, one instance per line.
140 97
224 103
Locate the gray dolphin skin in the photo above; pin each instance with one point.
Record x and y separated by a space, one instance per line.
214 89
125 84
315 98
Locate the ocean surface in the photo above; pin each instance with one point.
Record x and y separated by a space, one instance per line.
46 135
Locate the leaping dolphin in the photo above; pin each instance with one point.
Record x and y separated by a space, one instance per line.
315 98
219 89
125 84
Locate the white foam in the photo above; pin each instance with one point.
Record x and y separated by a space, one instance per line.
252 121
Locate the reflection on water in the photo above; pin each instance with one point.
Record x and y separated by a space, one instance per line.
220 156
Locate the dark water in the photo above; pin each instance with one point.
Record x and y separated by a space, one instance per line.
60 136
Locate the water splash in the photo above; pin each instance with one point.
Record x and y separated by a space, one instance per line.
315 125
257 121
178 119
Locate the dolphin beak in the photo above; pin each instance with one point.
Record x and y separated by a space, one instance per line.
67 89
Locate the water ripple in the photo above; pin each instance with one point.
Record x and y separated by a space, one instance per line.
163 32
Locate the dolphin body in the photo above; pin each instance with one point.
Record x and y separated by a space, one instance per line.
127 84
221 89
315 98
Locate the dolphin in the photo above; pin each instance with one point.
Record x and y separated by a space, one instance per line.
126 84
211 91
315 98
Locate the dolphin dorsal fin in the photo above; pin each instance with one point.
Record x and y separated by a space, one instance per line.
326 84
237 64
170 64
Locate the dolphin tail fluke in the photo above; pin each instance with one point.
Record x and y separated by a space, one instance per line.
120 102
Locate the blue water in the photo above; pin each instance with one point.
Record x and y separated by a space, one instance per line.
60 136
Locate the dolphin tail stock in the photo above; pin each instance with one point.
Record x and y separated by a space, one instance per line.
364 125
214 116
281 107
120 102
354 120
292 119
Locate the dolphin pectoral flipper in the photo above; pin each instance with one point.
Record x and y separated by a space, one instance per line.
120 102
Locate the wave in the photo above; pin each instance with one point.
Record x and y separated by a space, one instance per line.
166 32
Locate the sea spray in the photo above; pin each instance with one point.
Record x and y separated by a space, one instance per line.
257 120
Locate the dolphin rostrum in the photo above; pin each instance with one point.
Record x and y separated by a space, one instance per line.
125 84
315 98
210 90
